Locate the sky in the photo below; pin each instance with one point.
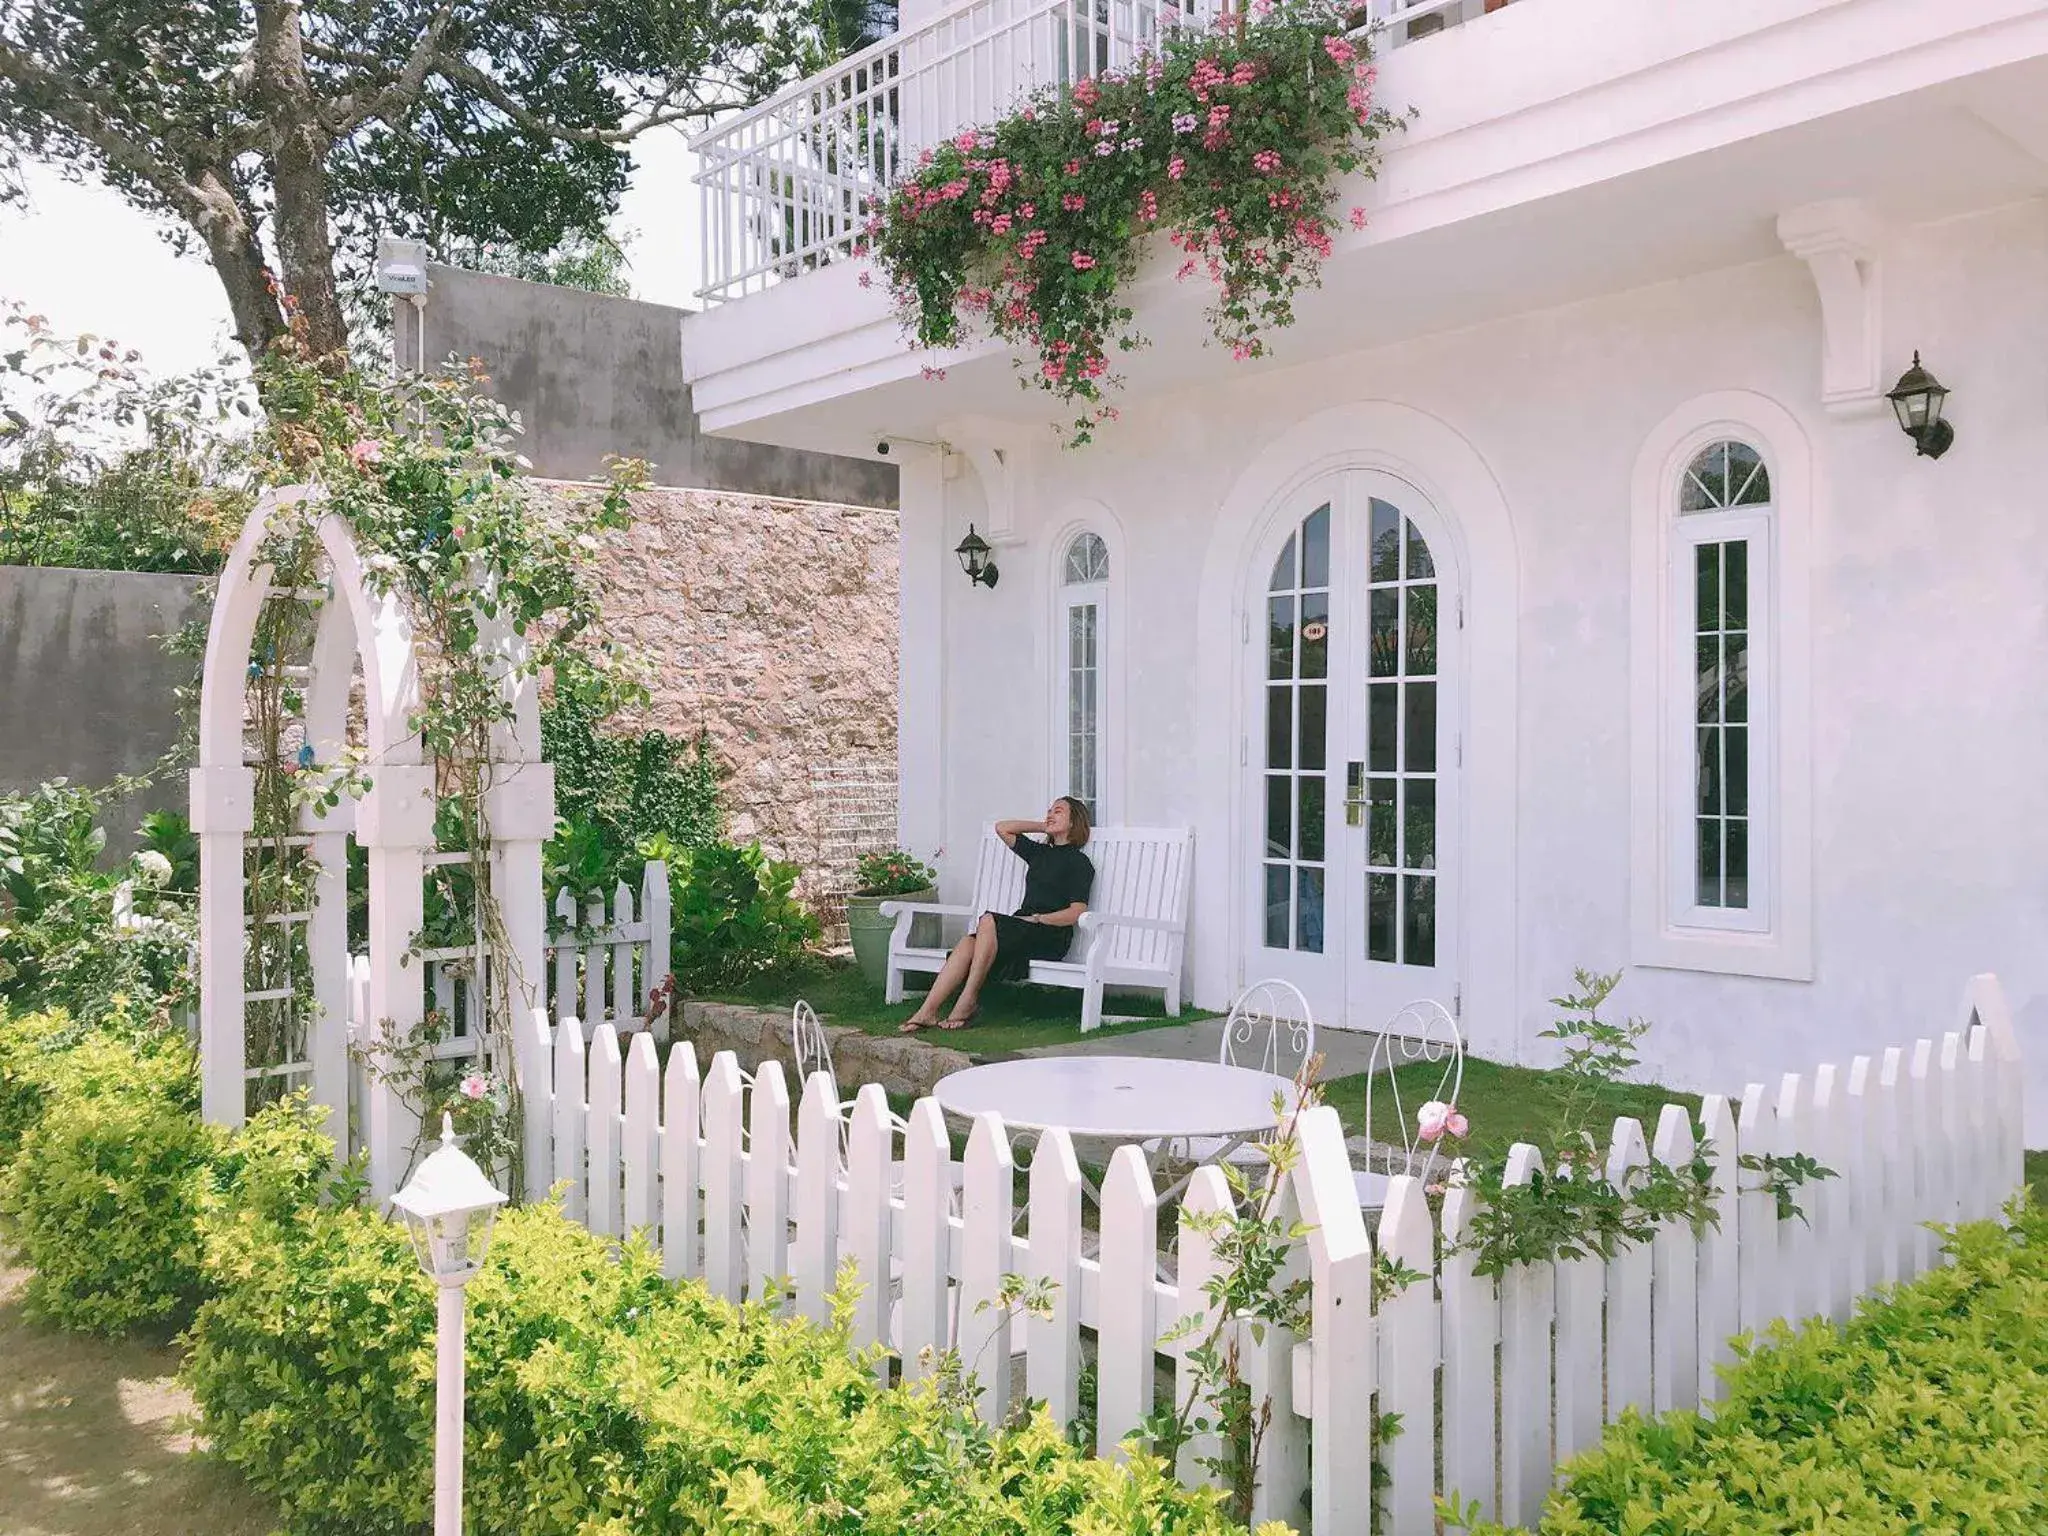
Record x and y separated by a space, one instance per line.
84 258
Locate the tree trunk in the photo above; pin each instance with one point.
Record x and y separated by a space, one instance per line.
298 157
230 236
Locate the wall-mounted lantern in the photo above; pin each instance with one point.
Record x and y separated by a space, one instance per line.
974 559
1918 398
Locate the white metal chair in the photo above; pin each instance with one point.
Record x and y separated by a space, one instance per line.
1422 1034
1270 1028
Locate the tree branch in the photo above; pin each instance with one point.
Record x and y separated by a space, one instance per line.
392 99
464 73
68 102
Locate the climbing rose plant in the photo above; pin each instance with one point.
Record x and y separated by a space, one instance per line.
1228 143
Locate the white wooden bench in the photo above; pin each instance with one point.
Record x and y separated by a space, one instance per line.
1132 934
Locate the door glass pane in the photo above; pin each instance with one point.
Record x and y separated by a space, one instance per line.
1422 631
1315 548
1276 906
1420 566
1421 727
1315 634
1709 775
1707 579
1418 828
1283 568
1381 847
1313 703
1382 727
1279 637
1279 727
1735 585
1418 910
1386 542
1379 917
1386 631
1721 740
1736 863
1308 911
1735 675
1735 769
1311 822
1709 861
1279 805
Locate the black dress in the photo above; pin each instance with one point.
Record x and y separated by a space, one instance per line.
1056 876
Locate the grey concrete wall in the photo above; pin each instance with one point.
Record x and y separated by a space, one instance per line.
87 691
592 375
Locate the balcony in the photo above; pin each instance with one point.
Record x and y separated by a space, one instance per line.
1563 149
787 187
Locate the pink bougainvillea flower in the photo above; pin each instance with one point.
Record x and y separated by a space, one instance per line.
964 141
1073 167
474 1087
867 279
1358 218
1266 162
365 451
931 374
1073 202
1339 49
1083 261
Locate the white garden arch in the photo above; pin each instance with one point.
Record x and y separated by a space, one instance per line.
380 996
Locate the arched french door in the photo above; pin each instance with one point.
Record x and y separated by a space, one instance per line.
1353 755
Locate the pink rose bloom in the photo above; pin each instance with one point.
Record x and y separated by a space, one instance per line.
1431 1120
1457 1125
365 451
474 1087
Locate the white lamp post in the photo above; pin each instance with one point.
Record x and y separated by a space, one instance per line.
440 1206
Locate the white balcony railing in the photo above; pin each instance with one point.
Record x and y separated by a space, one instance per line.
787 186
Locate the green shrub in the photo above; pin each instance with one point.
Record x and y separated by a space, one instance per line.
734 913
59 946
102 1197
1927 1412
603 1399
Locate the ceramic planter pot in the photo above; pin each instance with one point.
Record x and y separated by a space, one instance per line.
869 930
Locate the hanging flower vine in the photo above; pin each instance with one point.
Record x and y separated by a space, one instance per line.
1228 143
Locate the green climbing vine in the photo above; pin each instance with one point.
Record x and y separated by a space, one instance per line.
424 472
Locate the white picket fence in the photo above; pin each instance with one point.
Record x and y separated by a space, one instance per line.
1496 1382
604 963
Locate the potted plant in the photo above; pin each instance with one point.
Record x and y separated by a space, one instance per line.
890 875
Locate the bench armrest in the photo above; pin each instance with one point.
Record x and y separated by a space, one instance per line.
1090 921
898 908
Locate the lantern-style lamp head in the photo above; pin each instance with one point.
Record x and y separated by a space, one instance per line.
973 552
449 1207
1918 398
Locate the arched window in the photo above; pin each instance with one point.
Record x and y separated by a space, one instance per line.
1722 705
1082 647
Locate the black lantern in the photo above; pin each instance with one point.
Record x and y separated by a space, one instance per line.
973 552
1918 398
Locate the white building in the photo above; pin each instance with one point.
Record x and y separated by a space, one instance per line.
1569 532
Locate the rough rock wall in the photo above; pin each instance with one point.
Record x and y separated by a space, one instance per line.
771 625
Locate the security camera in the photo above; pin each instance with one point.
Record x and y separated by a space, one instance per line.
882 447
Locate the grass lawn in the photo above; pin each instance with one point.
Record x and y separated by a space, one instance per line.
1013 1017
1504 1104
94 1439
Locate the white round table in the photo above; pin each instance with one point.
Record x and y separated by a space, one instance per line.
1120 1098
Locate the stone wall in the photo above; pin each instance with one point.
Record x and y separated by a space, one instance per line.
904 1067
771 626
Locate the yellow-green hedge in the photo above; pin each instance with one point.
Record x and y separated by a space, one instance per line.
1927 1415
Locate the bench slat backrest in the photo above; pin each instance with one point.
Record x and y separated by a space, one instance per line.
1139 872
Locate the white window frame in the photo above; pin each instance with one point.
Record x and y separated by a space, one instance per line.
1773 936
1103 596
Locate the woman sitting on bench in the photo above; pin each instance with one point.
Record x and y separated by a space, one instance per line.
1057 880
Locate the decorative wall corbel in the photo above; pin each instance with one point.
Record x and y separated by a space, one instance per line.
1838 241
1001 461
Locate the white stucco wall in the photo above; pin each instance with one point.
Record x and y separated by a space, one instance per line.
1929 642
